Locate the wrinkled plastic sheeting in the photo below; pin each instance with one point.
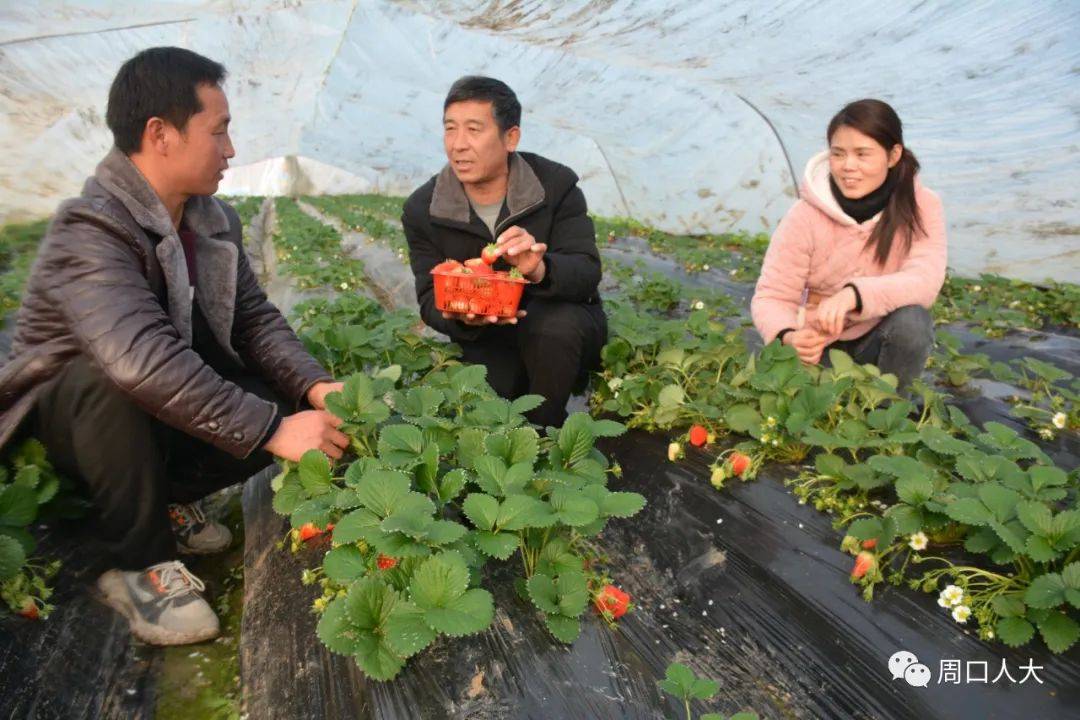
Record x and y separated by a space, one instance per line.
689 116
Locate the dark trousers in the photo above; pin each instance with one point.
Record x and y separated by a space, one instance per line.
550 352
899 344
131 464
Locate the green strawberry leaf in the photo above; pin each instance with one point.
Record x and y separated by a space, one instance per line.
444 532
12 557
968 511
1014 631
345 564
286 499
573 508
1046 591
518 512
564 629
407 629
1036 517
1059 631
360 524
497 545
400 445
314 473
381 491
482 510
467 614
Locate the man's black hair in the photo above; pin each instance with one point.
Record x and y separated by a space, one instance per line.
503 101
158 82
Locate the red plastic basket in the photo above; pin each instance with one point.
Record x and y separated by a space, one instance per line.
495 294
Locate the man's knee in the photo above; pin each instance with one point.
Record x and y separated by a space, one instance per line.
562 325
911 326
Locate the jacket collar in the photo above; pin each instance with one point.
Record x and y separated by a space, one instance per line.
218 256
523 192
815 190
122 179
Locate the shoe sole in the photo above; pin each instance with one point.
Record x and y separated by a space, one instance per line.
112 591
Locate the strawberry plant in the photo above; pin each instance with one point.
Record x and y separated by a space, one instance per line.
375 215
447 478
351 333
29 490
18 248
311 252
681 682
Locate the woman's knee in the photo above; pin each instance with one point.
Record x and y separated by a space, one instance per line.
911 326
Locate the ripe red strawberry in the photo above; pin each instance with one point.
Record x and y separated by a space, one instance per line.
864 563
739 463
611 600
698 436
490 254
29 609
385 562
309 530
458 305
869 544
478 266
447 266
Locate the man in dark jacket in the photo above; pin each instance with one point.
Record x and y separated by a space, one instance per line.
534 211
147 358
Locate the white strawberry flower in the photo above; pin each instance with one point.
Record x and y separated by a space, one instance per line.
1046 434
699 305
961 613
705 267
951 596
918 541
976 288
770 421
1059 420
614 383
344 286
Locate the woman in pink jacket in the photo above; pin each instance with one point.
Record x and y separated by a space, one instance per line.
859 260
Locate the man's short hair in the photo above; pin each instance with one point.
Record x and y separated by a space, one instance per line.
158 82
503 101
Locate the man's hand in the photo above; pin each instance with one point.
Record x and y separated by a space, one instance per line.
808 342
478 320
318 392
522 251
830 315
308 430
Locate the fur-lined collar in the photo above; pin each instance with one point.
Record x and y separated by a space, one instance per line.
523 191
218 256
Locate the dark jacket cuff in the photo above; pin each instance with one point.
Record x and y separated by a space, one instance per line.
858 297
271 429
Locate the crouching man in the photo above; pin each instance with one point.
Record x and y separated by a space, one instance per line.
147 358
533 211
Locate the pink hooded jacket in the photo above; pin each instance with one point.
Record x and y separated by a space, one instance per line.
817 249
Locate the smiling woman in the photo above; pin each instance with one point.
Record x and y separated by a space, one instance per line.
858 261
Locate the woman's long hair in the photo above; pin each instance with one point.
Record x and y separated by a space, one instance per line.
878 120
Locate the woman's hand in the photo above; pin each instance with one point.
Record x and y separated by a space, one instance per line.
830 314
808 342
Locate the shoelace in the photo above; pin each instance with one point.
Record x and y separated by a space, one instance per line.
191 512
176 579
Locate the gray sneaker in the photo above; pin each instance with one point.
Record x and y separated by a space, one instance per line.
195 534
162 603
